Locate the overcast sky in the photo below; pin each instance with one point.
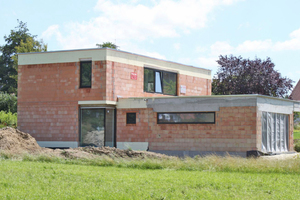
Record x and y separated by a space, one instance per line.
192 32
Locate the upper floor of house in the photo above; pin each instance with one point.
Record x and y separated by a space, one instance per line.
105 74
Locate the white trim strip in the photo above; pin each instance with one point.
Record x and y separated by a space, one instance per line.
97 102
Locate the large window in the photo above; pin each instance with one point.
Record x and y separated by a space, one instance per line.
157 81
85 74
186 118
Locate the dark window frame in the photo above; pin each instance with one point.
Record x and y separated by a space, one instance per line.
161 81
81 72
214 122
130 123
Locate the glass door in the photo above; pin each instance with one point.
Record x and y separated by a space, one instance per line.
92 127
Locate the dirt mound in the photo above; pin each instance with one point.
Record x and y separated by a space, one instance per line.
15 141
118 153
18 142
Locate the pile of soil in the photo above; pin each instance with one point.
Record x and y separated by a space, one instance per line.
15 141
118 153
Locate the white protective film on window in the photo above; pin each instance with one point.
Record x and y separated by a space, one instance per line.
158 86
274 132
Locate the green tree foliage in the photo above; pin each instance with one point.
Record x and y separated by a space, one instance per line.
18 41
244 76
8 102
107 45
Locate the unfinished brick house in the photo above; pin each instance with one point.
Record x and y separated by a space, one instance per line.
106 97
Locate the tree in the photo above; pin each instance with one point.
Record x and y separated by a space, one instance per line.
244 76
19 41
108 45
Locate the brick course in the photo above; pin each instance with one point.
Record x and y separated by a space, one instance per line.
234 130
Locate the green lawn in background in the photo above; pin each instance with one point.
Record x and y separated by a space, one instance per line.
296 134
36 180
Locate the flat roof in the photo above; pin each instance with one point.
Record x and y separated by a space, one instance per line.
215 96
100 54
88 49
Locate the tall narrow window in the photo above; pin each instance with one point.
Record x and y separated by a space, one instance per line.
148 80
169 83
158 87
85 74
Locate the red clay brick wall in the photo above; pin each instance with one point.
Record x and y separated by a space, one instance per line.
59 82
49 121
118 82
48 96
44 88
235 130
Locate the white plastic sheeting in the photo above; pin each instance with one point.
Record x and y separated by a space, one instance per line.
274 132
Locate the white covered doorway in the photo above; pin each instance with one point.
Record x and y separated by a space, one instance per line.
275 131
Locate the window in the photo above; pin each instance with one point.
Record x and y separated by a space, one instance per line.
130 118
186 118
85 74
157 81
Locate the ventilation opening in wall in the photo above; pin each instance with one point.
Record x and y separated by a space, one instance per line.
275 131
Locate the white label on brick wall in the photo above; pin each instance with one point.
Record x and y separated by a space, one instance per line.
182 89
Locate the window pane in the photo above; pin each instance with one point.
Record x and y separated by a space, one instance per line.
131 118
86 74
158 87
169 83
92 127
148 80
188 118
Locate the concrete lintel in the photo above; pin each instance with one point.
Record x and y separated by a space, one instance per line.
132 103
104 102
58 144
198 104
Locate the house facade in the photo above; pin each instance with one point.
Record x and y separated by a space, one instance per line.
106 97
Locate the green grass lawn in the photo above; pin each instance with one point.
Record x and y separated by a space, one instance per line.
296 134
37 180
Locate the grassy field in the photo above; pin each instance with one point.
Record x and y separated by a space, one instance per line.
296 134
38 180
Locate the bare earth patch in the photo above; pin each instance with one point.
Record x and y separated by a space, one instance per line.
17 142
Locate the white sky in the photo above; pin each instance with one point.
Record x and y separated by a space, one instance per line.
192 32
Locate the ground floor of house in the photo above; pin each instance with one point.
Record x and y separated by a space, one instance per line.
184 126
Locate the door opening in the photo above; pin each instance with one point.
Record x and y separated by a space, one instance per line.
97 127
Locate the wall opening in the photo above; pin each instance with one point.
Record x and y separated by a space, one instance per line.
97 127
275 131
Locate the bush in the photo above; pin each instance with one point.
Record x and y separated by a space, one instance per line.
297 126
297 146
8 119
8 102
